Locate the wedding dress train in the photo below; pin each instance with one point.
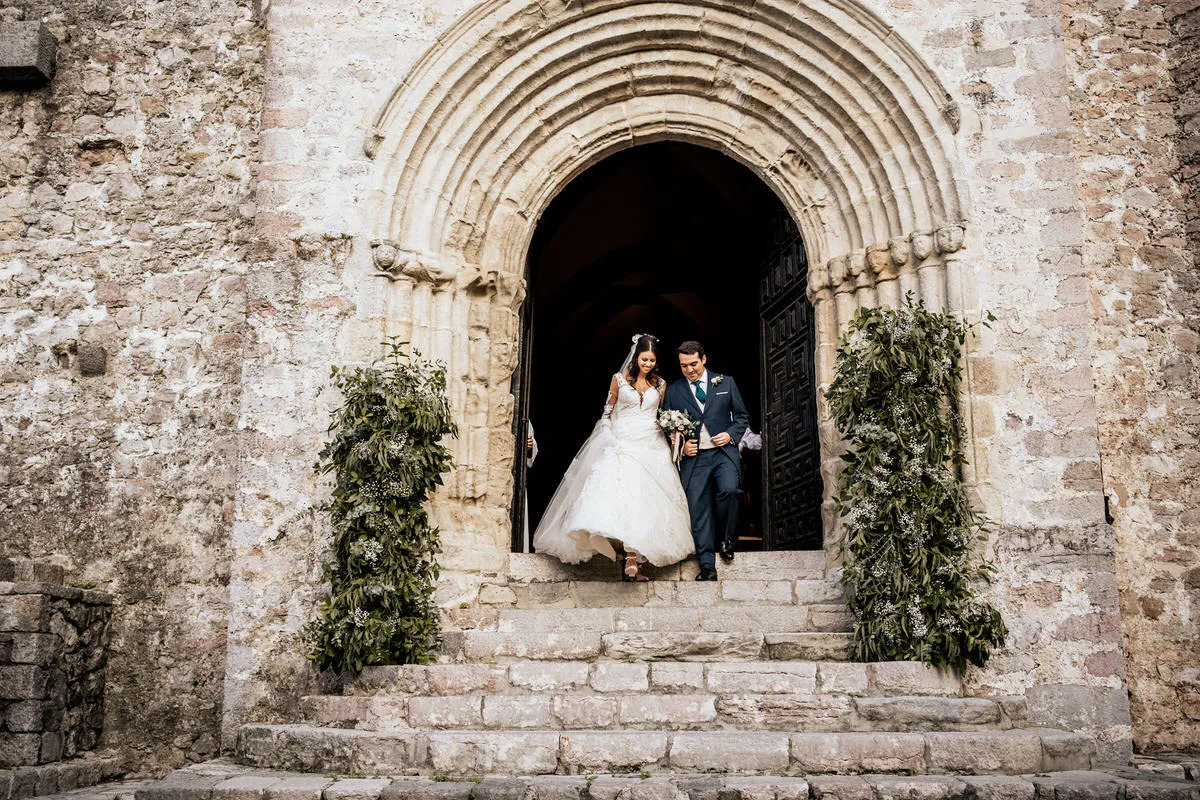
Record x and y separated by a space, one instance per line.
620 488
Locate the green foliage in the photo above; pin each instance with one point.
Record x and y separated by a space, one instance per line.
909 530
386 455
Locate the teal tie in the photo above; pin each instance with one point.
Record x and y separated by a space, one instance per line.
700 395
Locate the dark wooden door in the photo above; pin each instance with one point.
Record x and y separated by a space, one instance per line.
520 429
791 451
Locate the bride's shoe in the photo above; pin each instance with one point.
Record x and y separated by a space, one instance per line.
632 571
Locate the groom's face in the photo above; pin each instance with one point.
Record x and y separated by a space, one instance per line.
692 365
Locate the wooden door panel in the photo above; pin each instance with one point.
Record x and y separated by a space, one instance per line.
791 463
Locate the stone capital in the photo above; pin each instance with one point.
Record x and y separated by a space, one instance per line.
879 259
839 274
950 238
818 280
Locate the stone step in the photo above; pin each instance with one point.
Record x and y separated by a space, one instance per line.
676 712
690 594
574 644
776 566
542 752
215 781
88 769
881 679
720 618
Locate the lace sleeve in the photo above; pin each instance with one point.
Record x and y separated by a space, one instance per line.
611 402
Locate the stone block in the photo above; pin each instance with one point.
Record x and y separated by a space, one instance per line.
548 676
558 788
305 787
1062 750
516 711
1161 789
730 751
20 749
34 648
918 712
676 676
499 789
756 591
180 785
243 787
497 594
608 787
25 612
914 678
809 646
410 789
571 644
997 787
453 679
651 789
810 592
915 787
653 618
842 678
766 787
622 751
352 789
579 711
1005 752
1077 786
682 646
92 359
445 712
858 752
548 620
618 676
52 747
23 682
699 787
786 711
671 711
762 677
840 787
482 753
26 716
757 618
27 55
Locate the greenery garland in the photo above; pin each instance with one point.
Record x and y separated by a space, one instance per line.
387 457
909 530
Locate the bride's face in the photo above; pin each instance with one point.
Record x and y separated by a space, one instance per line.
646 362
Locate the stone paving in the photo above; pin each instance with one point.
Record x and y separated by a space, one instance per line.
221 780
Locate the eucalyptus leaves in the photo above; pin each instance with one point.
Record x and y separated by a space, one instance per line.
909 530
387 456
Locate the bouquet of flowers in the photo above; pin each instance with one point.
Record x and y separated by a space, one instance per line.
677 425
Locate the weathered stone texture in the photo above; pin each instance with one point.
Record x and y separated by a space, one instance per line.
53 654
125 206
1132 73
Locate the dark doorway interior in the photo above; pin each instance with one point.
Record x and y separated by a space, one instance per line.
666 238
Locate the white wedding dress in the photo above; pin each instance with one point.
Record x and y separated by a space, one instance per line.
621 488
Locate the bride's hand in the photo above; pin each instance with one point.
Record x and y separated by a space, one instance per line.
691 447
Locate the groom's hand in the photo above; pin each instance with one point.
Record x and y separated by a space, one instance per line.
691 447
722 439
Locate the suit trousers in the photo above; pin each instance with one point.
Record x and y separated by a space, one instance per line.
712 495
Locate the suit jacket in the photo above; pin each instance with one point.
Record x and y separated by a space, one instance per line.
724 412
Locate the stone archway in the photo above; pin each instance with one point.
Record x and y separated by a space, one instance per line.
828 105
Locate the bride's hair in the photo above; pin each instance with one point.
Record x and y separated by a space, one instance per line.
644 343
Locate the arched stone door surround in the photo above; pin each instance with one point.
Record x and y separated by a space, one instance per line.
822 100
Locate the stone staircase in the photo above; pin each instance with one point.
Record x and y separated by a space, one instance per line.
570 671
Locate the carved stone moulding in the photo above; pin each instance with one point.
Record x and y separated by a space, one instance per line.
885 261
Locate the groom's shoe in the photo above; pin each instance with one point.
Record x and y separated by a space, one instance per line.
707 575
727 550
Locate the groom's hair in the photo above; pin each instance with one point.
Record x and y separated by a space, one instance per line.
689 347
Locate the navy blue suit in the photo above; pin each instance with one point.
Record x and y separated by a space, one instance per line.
712 478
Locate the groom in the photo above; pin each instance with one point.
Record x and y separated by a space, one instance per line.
711 469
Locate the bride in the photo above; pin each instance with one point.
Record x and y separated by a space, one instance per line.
622 489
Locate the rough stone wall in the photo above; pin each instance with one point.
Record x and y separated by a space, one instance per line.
124 210
53 653
1145 298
